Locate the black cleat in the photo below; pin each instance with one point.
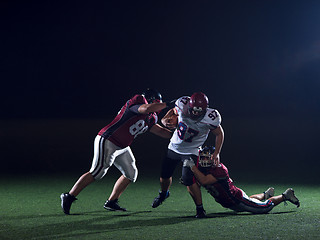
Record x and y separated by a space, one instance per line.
201 213
66 201
160 199
113 205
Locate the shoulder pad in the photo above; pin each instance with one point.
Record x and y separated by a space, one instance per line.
212 117
182 103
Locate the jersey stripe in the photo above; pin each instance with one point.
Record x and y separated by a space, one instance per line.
99 165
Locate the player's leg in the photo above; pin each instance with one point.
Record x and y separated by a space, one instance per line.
195 192
126 163
112 203
119 187
259 196
102 160
289 195
165 184
68 198
98 158
277 199
82 183
265 195
193 187
169 164
253 205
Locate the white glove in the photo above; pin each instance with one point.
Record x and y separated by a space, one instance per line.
188 163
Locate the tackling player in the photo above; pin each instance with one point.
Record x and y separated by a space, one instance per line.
112 147
195 121
216 180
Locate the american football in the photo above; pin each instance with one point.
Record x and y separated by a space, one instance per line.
172 121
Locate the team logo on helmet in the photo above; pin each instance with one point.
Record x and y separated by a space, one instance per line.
205 154
198 105
152 95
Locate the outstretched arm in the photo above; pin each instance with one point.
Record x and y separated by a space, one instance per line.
152 107
161 131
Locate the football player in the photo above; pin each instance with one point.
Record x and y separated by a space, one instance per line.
195 121
112 147
216 180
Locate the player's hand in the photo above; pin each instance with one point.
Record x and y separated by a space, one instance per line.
215 157
171 125
188 163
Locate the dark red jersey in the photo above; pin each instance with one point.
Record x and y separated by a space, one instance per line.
224 191
129 123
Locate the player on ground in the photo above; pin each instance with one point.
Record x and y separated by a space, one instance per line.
216 180
112 147
195 121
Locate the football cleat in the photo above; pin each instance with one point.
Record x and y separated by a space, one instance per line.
66 201
201 213
160 199
288 195
268 193
113 205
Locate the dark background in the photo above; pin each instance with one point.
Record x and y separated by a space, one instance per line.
68 67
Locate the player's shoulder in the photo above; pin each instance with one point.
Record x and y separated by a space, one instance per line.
212 117
213 111
182 102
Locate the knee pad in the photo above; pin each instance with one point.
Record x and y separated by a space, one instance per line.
131 175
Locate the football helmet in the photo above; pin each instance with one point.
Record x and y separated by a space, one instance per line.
198 104
152 95
205 156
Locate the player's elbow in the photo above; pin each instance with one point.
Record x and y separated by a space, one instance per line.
144 109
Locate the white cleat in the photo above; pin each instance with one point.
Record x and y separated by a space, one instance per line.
269 193
288 195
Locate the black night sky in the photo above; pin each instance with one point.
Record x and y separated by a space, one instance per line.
258 62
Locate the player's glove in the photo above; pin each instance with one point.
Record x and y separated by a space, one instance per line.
188 163
171 104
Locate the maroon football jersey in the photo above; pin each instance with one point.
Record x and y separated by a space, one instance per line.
224 191
129 123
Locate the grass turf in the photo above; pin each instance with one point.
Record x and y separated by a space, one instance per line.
30 209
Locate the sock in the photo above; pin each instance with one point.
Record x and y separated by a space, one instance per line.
199 207
164 193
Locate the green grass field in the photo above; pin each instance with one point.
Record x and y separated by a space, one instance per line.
30 209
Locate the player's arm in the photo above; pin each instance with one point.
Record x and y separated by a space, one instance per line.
167 119
219 133
152 107
161 131
202 179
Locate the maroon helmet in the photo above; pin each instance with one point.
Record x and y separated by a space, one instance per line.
198 105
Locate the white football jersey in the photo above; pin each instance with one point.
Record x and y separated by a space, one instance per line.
190 134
